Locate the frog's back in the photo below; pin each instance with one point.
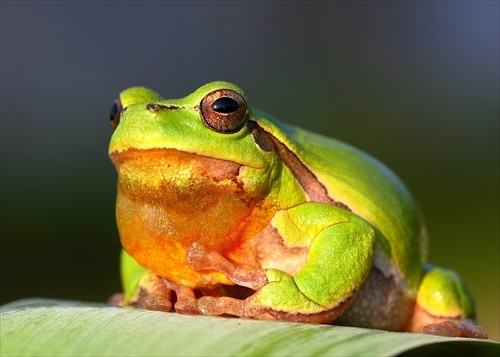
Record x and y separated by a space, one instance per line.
370 190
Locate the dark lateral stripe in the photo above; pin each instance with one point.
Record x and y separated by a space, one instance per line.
314 189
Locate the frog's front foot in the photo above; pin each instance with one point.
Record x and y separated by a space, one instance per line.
186 300
153 294
160 294
280 299
214 306
448 328
200 259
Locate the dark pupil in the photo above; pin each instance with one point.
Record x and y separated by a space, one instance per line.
225 105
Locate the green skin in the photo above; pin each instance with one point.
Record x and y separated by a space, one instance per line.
382 228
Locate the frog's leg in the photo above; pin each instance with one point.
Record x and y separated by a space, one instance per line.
444 306
339 258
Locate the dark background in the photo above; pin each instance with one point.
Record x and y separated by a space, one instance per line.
414 83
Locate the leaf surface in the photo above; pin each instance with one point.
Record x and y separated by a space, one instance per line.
40 327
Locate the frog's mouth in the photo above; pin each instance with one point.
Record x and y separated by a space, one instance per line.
151 167
144 173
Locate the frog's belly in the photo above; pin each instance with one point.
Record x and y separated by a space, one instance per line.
383 302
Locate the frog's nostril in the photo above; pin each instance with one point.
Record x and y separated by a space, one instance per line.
152 107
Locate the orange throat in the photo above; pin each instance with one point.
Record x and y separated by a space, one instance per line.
167 200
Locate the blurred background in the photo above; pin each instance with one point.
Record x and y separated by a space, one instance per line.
415 84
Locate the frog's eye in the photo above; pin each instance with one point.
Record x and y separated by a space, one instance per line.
224 111
115 112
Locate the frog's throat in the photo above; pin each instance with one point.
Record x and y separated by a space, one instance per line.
314 189
167 200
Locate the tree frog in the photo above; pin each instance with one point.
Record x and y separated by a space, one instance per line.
224 210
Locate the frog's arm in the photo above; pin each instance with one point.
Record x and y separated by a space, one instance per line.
338 261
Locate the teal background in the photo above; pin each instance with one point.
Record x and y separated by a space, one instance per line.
415 84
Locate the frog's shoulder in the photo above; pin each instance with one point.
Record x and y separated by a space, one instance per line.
334 162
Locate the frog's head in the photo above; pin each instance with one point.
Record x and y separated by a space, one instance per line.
212 133
214 122
204 159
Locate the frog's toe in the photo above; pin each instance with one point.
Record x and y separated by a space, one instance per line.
471 330
157 303
450 328
151 293
156 297
116 299
214 306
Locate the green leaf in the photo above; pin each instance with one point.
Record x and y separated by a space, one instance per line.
38 327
